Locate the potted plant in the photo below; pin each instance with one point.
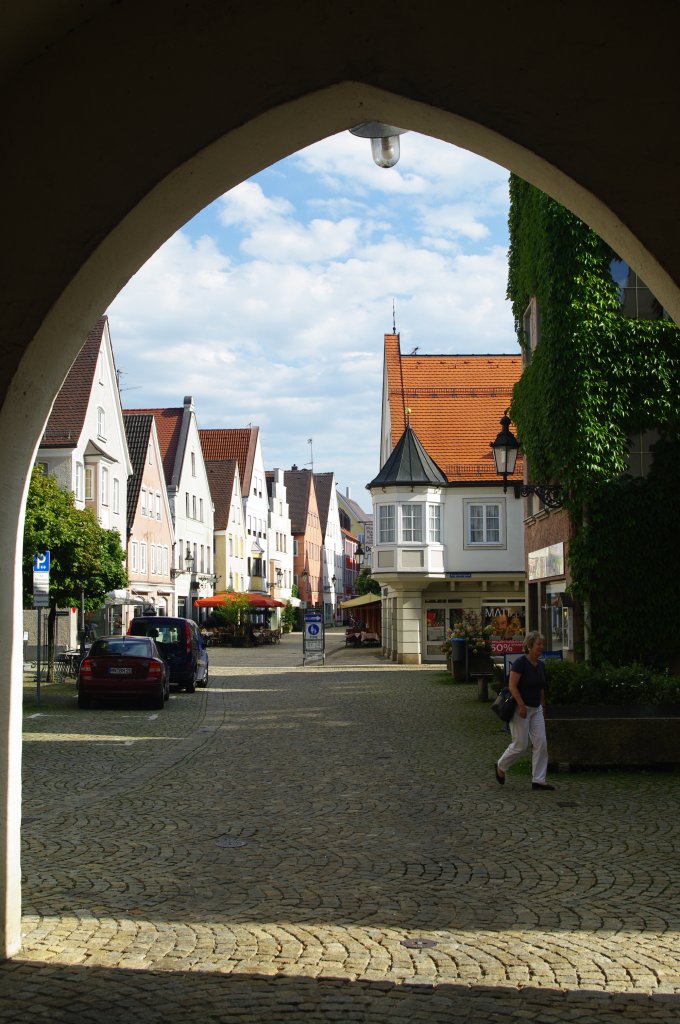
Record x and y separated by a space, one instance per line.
476 641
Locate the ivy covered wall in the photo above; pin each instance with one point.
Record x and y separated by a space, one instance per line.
595 378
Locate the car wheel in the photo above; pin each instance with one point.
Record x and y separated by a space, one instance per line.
158 703
191 687
204 681
83 701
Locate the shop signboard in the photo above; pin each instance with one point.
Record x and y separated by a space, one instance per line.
545 562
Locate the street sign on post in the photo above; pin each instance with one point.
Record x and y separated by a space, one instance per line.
313 638
41 580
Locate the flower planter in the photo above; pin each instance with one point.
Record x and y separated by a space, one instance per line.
627 736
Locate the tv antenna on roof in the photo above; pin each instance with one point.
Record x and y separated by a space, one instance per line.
311 454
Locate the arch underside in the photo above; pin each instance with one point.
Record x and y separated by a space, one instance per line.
123 120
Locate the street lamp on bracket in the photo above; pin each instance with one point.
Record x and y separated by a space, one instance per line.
505 451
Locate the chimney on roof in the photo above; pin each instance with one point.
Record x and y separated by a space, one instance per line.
188 401
293 467
348 492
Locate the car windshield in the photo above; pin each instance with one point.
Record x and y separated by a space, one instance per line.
162 632
135 647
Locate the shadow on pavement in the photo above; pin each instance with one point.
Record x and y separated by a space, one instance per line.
34 992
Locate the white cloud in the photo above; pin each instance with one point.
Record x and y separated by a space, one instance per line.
276 318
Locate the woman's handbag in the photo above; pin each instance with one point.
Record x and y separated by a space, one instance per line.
504 704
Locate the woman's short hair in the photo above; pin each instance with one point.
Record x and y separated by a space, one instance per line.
531 638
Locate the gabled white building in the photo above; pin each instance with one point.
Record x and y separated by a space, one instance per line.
190 503
230 538
84 447
280 538
332 557
243 444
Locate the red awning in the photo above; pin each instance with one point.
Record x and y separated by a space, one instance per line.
254 600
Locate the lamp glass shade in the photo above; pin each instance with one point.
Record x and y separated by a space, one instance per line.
386 152
505 449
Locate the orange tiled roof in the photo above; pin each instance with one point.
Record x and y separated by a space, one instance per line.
168 426
455 405
236 443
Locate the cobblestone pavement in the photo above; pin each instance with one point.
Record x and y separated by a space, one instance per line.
263 850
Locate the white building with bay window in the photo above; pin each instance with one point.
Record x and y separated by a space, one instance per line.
448 540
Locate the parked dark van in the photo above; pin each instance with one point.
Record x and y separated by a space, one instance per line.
181 646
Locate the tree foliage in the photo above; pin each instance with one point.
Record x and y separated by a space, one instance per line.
596 375
595 378
365 584
85 558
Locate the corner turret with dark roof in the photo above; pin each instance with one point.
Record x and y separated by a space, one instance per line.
409 464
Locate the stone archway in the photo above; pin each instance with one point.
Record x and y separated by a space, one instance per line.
124 119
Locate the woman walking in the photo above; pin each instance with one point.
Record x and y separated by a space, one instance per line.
527 685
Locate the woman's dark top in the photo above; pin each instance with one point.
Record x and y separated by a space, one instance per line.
532 680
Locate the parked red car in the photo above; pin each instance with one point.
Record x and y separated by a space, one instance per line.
123 667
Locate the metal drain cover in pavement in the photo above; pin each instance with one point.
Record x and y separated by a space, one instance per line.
229 842
418 943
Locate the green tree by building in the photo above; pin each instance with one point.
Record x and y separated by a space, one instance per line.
602 368
85 558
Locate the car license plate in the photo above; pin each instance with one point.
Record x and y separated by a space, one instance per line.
120 671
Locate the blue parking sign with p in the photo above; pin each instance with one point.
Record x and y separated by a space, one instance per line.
41 562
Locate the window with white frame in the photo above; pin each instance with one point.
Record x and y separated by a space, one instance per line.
434 524
89 483
158 505
484 523
412 523
193 464
386 524
116 495
101 423
151 512
142 501
142 556
80 481
152 559
188 505
134 554
166 560
200 509
105 486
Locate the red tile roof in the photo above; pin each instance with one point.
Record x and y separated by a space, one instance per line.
237 443
221 476
454 404
168 427
65 423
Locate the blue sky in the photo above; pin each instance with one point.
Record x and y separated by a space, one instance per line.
270 306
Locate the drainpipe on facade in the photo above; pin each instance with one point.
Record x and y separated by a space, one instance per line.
586 606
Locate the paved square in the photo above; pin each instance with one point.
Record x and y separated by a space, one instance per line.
329 844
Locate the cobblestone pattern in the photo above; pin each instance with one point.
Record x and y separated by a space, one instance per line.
261 850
